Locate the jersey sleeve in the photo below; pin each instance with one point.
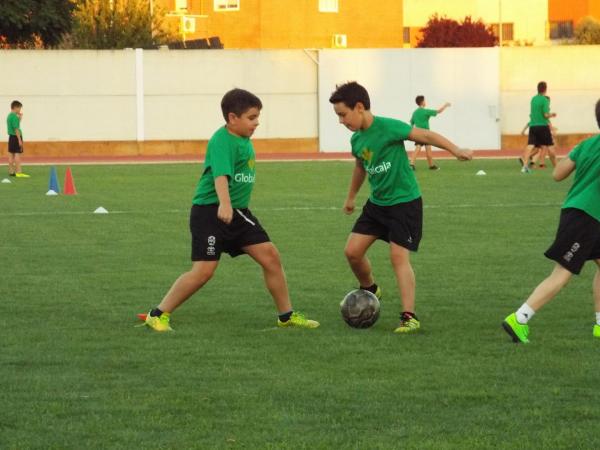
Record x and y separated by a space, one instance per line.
222 157
400 130
14 122
546 106
431 112
574 154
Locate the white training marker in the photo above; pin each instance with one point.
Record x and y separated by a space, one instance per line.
100 210
481 172
6 181
51 192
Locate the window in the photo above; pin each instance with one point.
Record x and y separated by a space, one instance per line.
507 31
406 35
561 30
329 6
227 5
181 4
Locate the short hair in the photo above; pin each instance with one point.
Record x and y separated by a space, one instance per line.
542 87
598 113
350 94
420 99
15 104
238 101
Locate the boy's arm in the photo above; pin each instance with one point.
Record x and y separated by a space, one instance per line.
423 136
225 211
524 128
358 177
19 137
443 107
563 169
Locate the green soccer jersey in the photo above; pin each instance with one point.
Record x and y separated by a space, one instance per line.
381 150
13 123
232 156
420 118
540 105
585 192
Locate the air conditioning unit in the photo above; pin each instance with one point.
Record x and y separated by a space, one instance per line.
340 41
188 24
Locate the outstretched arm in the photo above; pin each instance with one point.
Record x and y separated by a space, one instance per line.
358 177
423 136
563 169
443 107
525 128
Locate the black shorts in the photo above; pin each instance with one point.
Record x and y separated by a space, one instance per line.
13 144
540 135
401 224
211 236
577 240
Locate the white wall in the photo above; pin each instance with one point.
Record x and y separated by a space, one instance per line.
573 77
467 78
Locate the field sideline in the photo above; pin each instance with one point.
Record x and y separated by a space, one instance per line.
77 373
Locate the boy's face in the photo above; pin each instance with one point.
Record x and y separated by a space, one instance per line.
246 124
17 109
351 118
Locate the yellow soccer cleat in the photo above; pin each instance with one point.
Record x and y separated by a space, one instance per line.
159 323
22 175
408 324
298 320
597 331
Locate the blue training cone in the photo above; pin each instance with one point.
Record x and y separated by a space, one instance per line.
53 184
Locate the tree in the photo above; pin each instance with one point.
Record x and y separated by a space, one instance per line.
444 32
31 23
587 32
114 24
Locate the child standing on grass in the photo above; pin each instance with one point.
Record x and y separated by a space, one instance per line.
420 119
394 211
220 220
15 140
577 239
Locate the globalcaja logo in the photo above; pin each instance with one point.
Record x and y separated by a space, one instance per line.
381 168
244 178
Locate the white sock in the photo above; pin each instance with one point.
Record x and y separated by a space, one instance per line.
524 313
598 317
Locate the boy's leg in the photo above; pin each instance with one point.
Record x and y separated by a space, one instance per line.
17 162
405 276
355 251
429 156
267 256
525 158
415 153
11 163
596 291
187 285
551 154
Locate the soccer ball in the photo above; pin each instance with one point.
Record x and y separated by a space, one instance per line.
360 309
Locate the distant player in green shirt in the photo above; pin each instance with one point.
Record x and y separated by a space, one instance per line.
15 140
420 119
394 211
577 239
220 220
540 134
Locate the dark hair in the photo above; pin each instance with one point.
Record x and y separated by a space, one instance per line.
542 87
598 113
350 94
16 104
238 101
420 99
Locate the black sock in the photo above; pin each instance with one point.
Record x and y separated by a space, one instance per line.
372 289
408 315
155 312
285 316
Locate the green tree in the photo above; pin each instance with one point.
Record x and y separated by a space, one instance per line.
587 32
27 23
114 24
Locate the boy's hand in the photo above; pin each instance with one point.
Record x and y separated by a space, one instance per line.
349 206
447 104
464 154
225 213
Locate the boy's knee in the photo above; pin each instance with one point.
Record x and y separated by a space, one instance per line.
271 259
201 275
352 255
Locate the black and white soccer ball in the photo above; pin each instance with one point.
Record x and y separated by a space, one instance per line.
360 308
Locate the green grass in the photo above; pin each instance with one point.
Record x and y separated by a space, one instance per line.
77 374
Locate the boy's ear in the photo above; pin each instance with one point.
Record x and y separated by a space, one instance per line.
230 117
359 107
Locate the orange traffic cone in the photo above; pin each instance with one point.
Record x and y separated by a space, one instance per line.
69 183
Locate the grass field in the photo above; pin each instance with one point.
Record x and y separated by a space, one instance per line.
76 373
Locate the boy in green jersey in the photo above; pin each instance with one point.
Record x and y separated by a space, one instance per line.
15 140
220 220
540 134
577 239
420 119
394 211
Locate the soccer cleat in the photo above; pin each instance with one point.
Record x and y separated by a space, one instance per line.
525 169
434 167
12 174
21 175
408 324
412 166
298 320
597 331
517 331
142 316
379 293
158 323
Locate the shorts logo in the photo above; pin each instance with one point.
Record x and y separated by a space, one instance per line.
210 250
212 240
569 255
